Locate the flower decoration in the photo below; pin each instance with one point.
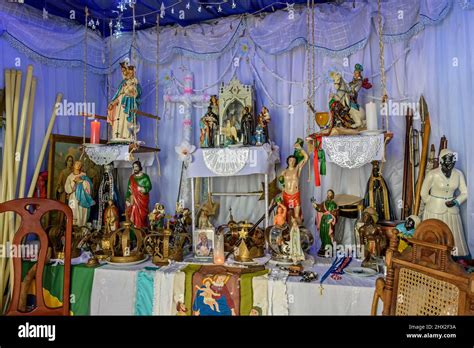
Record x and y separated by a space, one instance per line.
184 151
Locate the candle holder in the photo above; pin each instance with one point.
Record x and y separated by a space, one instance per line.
219 256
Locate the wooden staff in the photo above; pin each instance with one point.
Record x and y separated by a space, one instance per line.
407 191
425 116
16 104
24 165
22 125
59 97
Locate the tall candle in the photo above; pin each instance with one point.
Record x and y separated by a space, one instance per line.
371 116
95 132
219 256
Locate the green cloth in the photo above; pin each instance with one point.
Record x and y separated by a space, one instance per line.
246 291
188 287
325 224
82 278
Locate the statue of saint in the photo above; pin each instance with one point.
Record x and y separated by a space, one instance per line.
79 188
120 113
438 194
261 131
209 125
137 197
157 217
280 216
247 126
377 194
296 252
230 134
372 238
289 179
326 219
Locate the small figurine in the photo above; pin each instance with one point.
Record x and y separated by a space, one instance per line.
377 194
230 134
108 191
247 126
120 114
209 125
326 219
261 131
280 216
111 218
372 238
137 197
41 185
438 194
289 179
296 252
406 229
157 217
79 188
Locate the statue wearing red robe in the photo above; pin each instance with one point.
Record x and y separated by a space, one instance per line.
139 186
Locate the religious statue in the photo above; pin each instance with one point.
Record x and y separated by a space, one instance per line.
157 217
120 114
280 216
209 125
230 134
343 104
79 188
377 194
247 126
326 219
372 238
41 185
108 191
137 197
111 217
207 210
438 194
406 230
214 104
289 179
296 252
182 219
261 131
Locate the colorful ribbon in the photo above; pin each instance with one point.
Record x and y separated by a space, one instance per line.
319 160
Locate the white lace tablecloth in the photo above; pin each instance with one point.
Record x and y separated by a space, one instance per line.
234 161
353 151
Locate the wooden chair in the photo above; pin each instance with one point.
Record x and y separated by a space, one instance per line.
31 210
424 279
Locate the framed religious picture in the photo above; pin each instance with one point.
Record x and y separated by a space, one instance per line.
203 243
64 150
236 101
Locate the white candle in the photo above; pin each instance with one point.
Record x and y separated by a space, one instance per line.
371 116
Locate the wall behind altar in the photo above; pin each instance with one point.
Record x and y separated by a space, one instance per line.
433 60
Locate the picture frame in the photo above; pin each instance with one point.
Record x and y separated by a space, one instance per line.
64 150
203 243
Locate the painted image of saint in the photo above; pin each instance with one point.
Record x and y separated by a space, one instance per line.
213 297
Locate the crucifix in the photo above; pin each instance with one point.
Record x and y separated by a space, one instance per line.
185 101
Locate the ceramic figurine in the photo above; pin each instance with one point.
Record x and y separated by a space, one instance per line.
120 113
247 126
209 125
230 134
377 194
111 218
296 252
343 104
261 130
406 230
79 188
157 217
438 194
289 179
326 219
372 238
108 191
137 197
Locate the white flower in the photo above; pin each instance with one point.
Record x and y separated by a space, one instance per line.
184 151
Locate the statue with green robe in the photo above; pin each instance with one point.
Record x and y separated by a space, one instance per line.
326 219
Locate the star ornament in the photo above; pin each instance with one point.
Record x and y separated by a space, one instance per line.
243 234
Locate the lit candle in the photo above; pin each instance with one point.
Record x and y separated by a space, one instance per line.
219 257
371 116
95 132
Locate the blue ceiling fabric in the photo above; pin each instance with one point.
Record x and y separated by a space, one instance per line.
194 11
340 30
